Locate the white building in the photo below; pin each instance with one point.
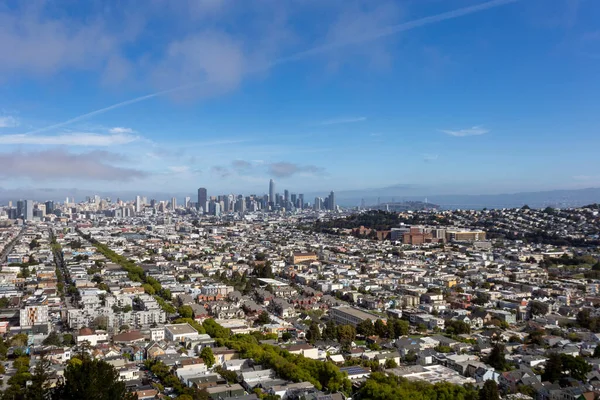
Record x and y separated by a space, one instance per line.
157 334
33 315
177 332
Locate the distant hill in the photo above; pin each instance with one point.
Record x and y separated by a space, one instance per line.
552 198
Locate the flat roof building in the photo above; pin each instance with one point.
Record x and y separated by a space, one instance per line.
345 315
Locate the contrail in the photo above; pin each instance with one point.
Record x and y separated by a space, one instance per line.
388 31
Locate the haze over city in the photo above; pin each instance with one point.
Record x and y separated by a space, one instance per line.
445 97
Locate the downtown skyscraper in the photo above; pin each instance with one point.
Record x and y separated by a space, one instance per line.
272 191
202 199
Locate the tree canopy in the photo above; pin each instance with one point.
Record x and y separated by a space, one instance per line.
86 378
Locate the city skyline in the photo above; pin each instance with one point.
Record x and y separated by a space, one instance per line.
317 106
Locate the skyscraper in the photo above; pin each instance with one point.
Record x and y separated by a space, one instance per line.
20 208
173 203
301 201
138 204
332 205
49 207
202 199
28 211
293 199
318 204
187 201
272 191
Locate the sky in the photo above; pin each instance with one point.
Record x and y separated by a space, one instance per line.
442 96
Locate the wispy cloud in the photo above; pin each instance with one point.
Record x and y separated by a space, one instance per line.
241 165
70 139
474 131
8 122
119 129
323 49
287 169
179 168
336 121
430 157
60 164
221 172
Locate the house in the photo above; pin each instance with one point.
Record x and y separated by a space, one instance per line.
153 350
282 308
356 372
146 394
130 337
251 379
306 350
226 391
390 355
480 318
511 379
135 352
157 334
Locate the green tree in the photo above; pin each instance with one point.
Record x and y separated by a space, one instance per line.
497 358
52 340
39 389
19 340
365 328
263 318
4 302
401 328
330 331
455 327
538 308
346 334
489 391
380 328
207 355
86 378
186 311
68 339
215 330
575 367
314 333
553 368
596 352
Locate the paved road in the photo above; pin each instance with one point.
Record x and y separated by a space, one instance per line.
10 246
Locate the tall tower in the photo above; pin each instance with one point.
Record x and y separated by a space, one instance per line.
332 205
202 199
28 211
286 198
173 203
272 191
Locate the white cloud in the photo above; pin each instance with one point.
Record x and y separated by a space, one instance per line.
119 129
209 63
8 122
61 164
70 139
286 169
179 168
474 131
336 121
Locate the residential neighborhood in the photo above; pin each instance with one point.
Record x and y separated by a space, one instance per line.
251 305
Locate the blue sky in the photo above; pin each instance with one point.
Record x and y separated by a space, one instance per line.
448 96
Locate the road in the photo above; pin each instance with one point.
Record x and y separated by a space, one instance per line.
10 246
66 277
